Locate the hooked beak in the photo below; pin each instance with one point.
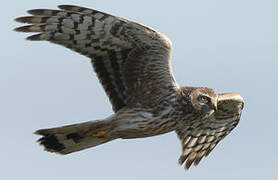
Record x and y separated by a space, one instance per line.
214 105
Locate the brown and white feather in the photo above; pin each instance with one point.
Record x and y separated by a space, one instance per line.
199 137
130 59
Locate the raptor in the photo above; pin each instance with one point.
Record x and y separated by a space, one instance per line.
133 64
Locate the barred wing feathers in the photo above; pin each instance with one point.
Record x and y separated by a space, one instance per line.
131 60
199 139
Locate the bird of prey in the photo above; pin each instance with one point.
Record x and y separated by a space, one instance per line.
133 64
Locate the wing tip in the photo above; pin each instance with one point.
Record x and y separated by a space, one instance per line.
67 7
34 11
36 37
29 28
23 19
233 96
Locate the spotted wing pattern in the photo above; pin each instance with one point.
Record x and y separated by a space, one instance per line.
200 137
131 60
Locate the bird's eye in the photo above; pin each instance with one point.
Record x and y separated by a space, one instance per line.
203 99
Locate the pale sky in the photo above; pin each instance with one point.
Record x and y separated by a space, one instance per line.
231 46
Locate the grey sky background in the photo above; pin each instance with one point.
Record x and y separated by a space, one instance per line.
226 45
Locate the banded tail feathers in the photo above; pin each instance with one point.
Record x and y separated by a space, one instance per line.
76 137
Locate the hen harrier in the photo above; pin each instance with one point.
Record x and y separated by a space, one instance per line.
133 63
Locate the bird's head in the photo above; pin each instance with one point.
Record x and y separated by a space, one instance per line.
204 100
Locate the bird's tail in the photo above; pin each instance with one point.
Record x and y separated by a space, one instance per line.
76 137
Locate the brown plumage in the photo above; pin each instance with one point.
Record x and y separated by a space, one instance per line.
133 63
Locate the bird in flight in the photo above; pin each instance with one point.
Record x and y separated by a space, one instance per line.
133 64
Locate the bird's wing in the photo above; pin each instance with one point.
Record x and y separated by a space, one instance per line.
198 139
130 59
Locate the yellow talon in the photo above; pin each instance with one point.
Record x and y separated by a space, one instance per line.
99 134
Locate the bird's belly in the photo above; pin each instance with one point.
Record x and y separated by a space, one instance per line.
136 128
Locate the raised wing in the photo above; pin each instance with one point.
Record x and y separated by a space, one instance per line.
199 139
132 61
